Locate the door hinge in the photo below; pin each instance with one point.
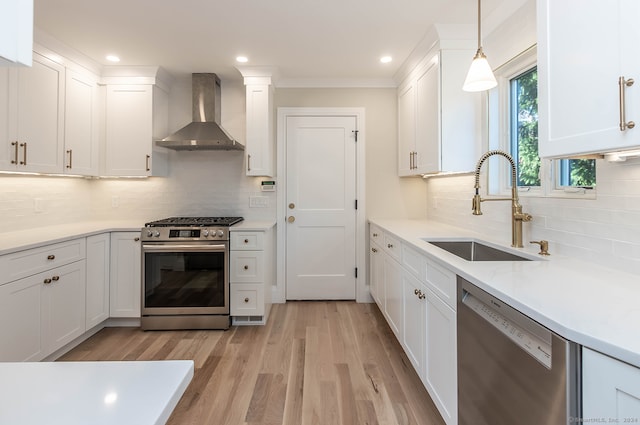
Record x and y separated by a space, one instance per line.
355 132
356 204
356 272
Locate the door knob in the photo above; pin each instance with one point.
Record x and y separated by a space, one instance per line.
291 219
292 206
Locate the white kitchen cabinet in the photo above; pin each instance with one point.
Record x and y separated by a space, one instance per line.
437 121
42 300
135 116
251 275
34 136
440 372
415 321
125 275
376 265
63 309
578 76
260 142
610 389
16 32
393 305
81 145
97 281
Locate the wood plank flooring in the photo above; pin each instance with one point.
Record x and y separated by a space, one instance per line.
333 363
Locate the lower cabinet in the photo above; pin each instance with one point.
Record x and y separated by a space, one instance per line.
97 287
422 319
125 275
45 311
610 389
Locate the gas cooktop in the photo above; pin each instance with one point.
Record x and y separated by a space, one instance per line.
195 222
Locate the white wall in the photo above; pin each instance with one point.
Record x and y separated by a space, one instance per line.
387 195
605 230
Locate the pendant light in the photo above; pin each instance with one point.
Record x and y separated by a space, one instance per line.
480 76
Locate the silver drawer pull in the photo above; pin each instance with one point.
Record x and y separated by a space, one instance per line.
389 245
246 241
55 278
47 281
374 250
51 257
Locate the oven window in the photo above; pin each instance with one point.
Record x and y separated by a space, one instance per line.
184 279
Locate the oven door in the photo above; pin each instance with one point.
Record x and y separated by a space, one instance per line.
185 278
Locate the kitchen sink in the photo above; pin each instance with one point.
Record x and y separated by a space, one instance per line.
475 251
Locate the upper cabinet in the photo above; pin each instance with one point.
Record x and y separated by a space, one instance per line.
135 116
81 124
16 32
437 121
587 54
259 146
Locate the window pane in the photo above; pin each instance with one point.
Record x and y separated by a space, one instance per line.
524 127
577 172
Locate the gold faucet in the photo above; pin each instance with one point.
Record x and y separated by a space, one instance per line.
517 216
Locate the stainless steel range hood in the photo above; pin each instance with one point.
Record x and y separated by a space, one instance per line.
205 132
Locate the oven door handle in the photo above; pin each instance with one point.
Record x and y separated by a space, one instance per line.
184 248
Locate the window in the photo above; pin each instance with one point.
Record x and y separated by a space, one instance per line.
513 127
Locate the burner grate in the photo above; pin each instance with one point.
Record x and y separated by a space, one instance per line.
195 222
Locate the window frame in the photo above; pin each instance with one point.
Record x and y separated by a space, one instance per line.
499 137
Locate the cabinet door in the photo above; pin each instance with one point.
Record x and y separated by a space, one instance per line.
610 388
441 359
129 127
80 129
393 295
427 157
413 336
259 147
125 274
406 128
97 286
376 278
40 116
246 266
21 320
63 305
8 151
578 90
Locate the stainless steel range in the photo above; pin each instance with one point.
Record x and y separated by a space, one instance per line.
185 273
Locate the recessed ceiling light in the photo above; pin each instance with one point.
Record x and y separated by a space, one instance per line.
386 59
242 59
112 58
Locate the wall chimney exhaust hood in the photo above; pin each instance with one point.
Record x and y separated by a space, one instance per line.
204 132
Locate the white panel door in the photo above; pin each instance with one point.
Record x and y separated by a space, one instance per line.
321 214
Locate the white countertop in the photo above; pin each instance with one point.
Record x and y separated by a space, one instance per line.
595 306
96 393
32 238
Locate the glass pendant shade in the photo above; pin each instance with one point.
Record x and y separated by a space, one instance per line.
480 76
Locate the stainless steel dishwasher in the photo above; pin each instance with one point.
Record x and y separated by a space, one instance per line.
511 369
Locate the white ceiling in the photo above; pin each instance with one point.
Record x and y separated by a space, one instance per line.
304 39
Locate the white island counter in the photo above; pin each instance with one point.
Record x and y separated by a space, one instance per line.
96 393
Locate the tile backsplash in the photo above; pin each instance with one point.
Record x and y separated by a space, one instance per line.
605 230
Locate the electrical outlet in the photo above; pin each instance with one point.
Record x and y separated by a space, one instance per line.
115 201
258 202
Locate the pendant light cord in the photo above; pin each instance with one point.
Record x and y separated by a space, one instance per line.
479 24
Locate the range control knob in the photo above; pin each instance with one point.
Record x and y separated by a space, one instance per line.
156 234
205 233
149 233
220 233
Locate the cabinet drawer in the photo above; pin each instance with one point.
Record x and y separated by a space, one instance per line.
375 234
247 241
442 282
31 261
414 262
392 246
247 299
247 266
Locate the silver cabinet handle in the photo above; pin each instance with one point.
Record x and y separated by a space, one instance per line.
248 162
622 83
389 245
374 250
55 278
51 257
47 281
147 163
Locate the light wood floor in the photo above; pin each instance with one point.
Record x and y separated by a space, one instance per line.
313 363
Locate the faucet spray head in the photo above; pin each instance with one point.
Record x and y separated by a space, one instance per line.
475 203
